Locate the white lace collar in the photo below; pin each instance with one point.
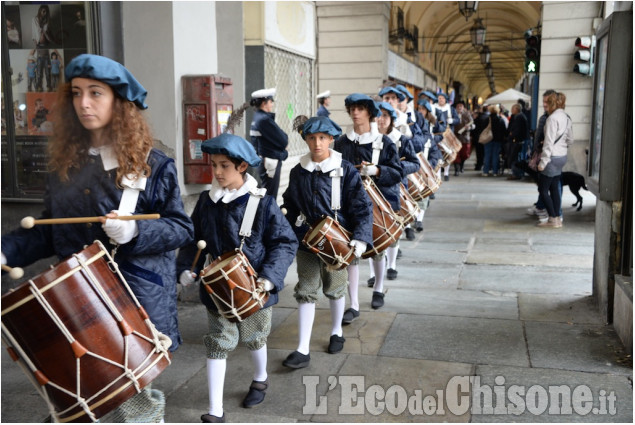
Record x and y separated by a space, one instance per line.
217 192
395 136
329 164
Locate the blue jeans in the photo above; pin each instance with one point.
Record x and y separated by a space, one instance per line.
491 158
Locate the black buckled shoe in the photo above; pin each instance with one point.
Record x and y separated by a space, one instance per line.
336 344
410 233
349 316
256 393
398 257
391 274
297 360
419 226
378 300
213 419
371 282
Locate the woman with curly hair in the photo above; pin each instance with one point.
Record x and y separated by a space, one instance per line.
102 163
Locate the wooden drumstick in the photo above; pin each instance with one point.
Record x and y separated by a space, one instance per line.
14 272
29 222
201 246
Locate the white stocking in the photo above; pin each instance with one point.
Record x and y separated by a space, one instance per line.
446 170
420 215
380 269
391 255
259 358
337 313
215 383
306 316
353 286
370 264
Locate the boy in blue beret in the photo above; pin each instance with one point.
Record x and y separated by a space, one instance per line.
409 164
100 167
446 117
324 184
377 158
269 244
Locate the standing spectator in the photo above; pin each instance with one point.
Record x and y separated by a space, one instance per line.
268 139
558 128
491 160
538 209
518 133
480 123
56 66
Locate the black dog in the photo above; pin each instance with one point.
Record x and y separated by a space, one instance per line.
575 181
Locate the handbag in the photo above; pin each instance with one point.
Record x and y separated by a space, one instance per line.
534 160
486 135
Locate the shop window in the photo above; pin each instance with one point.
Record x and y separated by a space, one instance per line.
38 39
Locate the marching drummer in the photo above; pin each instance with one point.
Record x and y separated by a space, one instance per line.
446 116
268 243
431 152
409 164
103 163
324 99
324 184
377 158
269 140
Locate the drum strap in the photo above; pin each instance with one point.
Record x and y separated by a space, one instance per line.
336 177
250 214
377 147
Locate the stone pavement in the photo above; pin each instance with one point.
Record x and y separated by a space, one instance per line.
482 292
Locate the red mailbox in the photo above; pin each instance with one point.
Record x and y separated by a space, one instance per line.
207 104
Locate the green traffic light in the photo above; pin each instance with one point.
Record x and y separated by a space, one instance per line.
531 66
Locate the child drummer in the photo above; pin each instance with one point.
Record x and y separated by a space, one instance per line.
323 184
270 249
377 157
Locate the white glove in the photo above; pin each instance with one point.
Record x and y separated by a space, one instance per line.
450 120
369 170
270 166
187 278
359 246
266 284
120 231
3 259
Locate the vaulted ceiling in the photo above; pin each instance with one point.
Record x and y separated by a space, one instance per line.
445 32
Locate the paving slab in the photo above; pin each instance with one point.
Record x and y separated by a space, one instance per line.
584 348
570 309
417 275
450 302
351 395
21 402
574 407
500 256
506 278
457 339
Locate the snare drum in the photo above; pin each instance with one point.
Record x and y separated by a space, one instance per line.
429 176
417 187
448 153
451 140
231 283
330 242
409 208
82 337
387 226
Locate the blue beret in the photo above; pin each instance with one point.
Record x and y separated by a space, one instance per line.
429 94
358 98
232 146
387 90
110 72
405 91
320 125
444 95
387 107
425 104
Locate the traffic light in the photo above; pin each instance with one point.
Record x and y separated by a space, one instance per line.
585 54
532 53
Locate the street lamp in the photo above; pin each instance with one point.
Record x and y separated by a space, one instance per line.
486 55
477 32
467 8
489 71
